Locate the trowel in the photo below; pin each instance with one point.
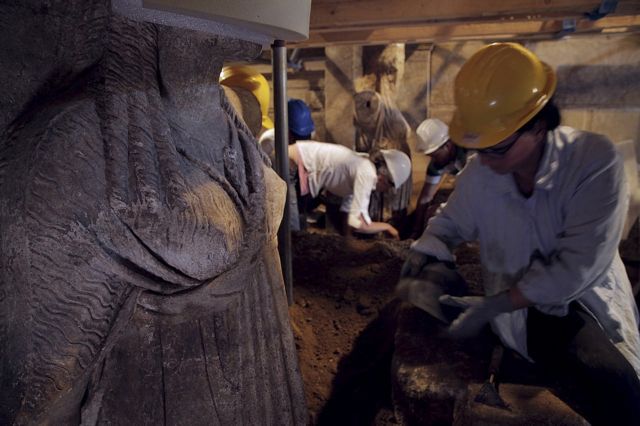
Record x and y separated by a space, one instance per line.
424 290
488 394
422 294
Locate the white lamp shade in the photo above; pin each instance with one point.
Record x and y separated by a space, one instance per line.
260 21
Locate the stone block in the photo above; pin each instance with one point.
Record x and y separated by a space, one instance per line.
435 380
527 405
589 50
616 123
430 373
343 65
446 60
413 89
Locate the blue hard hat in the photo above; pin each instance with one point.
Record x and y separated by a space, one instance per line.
300 122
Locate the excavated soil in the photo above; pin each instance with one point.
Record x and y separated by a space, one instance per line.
340 286
343 319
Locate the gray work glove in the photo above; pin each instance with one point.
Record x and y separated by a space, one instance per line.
414 263
478 311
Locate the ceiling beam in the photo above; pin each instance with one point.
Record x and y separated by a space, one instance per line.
384 21
342 15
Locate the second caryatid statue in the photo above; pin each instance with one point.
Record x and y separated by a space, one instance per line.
140 278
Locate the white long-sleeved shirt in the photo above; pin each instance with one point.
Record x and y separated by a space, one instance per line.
557 246
342 172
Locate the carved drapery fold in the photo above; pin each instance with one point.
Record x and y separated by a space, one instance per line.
134 206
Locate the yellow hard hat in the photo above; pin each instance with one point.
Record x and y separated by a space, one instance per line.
245 77
497 91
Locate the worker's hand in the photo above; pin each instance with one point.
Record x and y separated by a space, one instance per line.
393 232
478 311
414 263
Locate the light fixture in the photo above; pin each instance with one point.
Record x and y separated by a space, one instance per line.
254 20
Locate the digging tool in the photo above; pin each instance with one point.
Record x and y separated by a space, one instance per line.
488 393
423 294
424 290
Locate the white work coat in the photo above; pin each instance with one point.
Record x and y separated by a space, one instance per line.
342 172
557 246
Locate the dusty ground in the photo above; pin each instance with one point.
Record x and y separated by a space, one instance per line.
339 287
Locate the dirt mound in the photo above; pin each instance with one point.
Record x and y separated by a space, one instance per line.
340 285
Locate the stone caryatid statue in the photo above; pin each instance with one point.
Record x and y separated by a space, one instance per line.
380 125
140 279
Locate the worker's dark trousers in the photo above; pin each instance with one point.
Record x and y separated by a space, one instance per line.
576 350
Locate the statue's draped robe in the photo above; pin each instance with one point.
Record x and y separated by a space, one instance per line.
140 276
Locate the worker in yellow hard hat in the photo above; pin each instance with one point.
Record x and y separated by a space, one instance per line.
547 205
245 77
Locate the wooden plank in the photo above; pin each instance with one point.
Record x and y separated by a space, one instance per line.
503 30
352 14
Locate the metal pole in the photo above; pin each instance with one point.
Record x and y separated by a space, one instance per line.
282 158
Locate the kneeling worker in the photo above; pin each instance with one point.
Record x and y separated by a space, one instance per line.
547 205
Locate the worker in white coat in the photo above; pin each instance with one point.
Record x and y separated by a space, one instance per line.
445 158
547 205
347 174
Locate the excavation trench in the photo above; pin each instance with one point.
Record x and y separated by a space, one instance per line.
366 358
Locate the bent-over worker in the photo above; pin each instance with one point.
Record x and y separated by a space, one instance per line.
343 172
547 205
301 126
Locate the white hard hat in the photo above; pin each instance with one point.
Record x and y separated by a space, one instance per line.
399 165
432 134
267 142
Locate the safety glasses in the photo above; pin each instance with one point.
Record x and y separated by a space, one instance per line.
502 148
